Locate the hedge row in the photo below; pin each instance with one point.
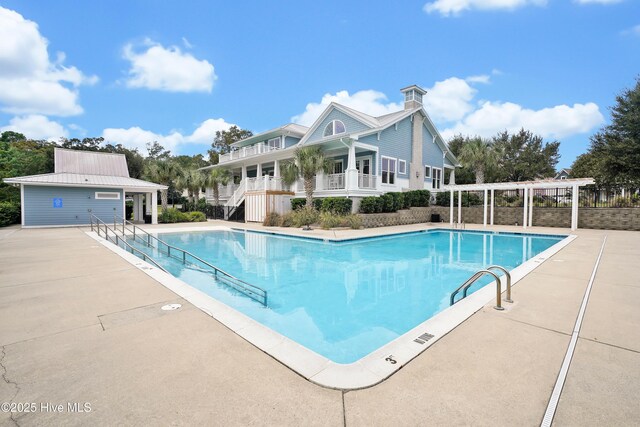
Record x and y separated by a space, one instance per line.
468 199
394 201
335 205
172 215
9 213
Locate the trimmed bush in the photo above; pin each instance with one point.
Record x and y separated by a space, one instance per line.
336 205
371 204
272 219
468 199
196 216
172 215
408 200
420 198
398 200
9 213
388 203
300 202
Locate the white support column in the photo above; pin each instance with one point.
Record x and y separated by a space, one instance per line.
492 204
154 207
267 182
351 174
147 199
459 206
451 208
244 172
526 207
319 181
259 171
137 207
452 177
574 207
484 212
276 168
531 207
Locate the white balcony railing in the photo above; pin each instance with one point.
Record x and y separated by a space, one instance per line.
263 183
252 150
366 181
225 191
335 181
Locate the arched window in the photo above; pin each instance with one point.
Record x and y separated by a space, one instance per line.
334 128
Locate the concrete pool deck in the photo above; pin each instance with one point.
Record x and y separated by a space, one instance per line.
79 324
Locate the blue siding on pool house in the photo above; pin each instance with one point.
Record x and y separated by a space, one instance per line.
39 207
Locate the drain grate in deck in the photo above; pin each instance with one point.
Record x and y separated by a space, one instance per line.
423 338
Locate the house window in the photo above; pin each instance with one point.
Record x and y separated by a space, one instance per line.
274 143
427 171
563 177
334 128
413 96
388 170
437 178
337 167
402 167
107 195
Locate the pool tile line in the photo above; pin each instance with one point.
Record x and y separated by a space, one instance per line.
366 372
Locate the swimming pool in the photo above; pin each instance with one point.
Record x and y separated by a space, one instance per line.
343 300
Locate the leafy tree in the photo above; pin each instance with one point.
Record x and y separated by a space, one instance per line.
216 178
192 180
89 144
525 156
478 155
23 157
464 175
10 136
613 158
191 162
156 151
306 163
223 140
162 172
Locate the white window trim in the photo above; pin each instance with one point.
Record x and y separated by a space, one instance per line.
404 167
99 195
341 161
278 146
427 175
333 128
370 158
395 173
433 179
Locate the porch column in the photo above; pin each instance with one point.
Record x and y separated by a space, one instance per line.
574 207
137 208
154 207
459 206
351 175
319 181
451 208
531 207
484 212
244 172
276 168
526 207
492 203
259 170
452 177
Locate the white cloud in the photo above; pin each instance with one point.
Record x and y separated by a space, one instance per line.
370 102
633 31
554 122
454 7
450 99
598 1
30 83
167 69
136 137
36 127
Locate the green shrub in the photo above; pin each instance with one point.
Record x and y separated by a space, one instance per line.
330 220
195 216
388 203
370 204
336 205
9 213
300 202
272 219
398 200
304 216
468 199
408 200
172 215
353 221
420 198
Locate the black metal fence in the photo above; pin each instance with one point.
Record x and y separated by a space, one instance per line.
588 197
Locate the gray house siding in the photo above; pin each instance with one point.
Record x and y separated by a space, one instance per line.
393 143
290 141
39 207
351 125
431 152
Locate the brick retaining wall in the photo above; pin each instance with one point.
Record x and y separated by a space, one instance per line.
600 218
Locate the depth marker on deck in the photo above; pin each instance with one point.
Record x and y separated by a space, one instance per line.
564 370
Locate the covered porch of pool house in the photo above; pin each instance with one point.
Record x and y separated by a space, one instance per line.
529 189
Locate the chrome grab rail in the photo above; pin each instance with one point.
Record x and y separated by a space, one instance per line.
508 275
471 280
118 239
254 292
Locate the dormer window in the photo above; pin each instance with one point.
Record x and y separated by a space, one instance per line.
412 95
334 128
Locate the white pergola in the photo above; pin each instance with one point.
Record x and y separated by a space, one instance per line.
528 187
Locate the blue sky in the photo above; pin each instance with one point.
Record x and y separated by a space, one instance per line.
177 71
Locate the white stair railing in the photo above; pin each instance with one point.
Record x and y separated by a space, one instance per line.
238 195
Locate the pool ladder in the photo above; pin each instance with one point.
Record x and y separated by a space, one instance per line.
460 224
477 275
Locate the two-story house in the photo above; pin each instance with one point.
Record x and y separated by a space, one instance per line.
371 155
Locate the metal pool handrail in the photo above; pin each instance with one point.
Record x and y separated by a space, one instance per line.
118 239
254 292
470 281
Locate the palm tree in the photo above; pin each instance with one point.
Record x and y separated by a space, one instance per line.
192 180
217 177
478 155
306 164
162 172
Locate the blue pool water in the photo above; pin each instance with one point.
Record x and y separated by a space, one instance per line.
345 300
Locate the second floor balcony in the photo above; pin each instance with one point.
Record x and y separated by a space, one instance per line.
249 151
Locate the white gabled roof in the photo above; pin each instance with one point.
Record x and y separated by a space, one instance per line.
90 162
290 129
85 180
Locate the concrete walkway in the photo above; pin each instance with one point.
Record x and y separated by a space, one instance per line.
79 324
